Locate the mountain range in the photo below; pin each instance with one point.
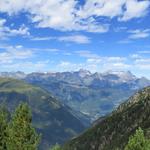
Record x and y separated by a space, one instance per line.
89 95
112 132
52 119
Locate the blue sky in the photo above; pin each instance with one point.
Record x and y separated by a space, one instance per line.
66 35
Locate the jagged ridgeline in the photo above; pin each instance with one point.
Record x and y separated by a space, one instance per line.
53 120
113 132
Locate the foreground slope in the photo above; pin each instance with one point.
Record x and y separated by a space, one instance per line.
50 118
113 131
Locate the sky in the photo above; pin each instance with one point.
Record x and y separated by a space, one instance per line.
66 35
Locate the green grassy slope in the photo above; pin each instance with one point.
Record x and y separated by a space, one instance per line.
50 118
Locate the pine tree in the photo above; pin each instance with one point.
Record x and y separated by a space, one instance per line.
21 134
138 141
3 127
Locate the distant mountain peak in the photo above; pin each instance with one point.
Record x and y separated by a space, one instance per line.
17 74
123 75
84 72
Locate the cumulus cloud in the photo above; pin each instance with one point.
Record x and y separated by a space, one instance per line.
135 9
6 31
14 58
68 15
12 53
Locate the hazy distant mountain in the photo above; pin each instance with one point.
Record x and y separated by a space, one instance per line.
93 94
54 120
113 131
16 75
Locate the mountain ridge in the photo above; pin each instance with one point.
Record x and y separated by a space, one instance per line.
103 92
113 131
50 117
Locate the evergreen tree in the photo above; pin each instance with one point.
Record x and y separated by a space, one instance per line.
3 127
21 134
138 141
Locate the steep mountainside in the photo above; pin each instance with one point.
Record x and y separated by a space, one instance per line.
95 94
53 120
113 131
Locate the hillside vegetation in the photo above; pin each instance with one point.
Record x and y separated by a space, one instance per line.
50 118
114 131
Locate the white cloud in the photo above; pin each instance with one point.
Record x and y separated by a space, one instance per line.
117 59
26 66
124 41
81 39
17 57
69 66
142 64
92 60
14 58
95 62
135 35
143 67
119 29
68 15
94 65
87 54
41 38
52 50
12 53
135 9
144 52
138 34
6 31
135 56
143 60
105 8
78 38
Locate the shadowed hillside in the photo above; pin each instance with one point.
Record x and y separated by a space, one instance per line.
50 118
113 131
